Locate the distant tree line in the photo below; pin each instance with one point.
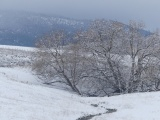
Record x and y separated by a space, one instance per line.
108 58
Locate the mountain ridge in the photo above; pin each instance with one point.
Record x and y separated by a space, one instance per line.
20 28
24 28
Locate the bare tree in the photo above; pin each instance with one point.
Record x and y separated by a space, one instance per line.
68 63
141 49
56 61
108 58
121 54
100 42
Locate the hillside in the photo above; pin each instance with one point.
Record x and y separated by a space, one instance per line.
23 96
24 28
21 28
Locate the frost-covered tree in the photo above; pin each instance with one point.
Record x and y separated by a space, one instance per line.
67 63
109 57
141 50
121 55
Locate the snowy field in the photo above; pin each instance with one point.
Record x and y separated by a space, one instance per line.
24 97
17 48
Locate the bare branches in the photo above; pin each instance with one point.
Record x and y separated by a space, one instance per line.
109 57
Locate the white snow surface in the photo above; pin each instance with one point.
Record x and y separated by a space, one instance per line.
18 48
138 106
23 97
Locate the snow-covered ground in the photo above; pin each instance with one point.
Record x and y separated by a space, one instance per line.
139 106
23 97
17 47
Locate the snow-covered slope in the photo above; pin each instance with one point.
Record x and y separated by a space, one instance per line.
23 97
139 106
18 48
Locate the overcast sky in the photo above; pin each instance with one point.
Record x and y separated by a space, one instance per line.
120 10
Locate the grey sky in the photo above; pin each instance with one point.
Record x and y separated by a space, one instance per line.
120 10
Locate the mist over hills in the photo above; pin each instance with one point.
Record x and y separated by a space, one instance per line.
24 28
